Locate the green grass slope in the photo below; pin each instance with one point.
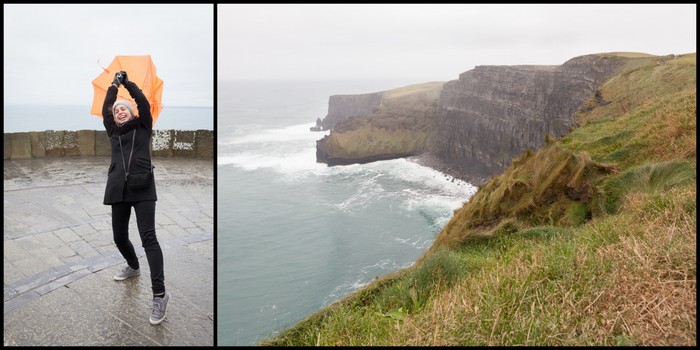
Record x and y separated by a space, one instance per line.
590 240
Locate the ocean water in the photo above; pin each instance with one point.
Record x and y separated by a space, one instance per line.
294 235
24 118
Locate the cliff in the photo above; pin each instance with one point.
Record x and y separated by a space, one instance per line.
399 124
494 113
341 107
476 125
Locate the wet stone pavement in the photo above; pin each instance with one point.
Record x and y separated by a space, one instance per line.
59 258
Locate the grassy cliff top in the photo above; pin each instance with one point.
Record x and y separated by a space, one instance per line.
430 89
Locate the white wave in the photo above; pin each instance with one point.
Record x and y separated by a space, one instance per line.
435 194
369 272
263 308
401 240
413 172
292 150
380 265
408 264
424 189
290 133
236 131
424 182
344 289
289 150
368 190
285 162
432 201
419 243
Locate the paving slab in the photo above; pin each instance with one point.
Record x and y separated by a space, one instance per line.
59 258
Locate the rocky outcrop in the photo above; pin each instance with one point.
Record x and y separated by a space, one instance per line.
399 125
494 113
322 156
341 107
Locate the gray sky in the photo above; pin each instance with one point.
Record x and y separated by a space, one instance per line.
51 51
435 42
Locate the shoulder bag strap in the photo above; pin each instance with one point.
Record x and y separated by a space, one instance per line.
126 169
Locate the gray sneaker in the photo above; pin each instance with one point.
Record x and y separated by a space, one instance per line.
160 306
126 273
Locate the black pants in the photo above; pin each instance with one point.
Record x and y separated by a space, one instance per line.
145 220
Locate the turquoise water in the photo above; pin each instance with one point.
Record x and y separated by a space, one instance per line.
293 235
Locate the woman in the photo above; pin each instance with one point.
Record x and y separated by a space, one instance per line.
130 138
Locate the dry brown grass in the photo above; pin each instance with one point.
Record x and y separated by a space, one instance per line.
675 135
431 90
653 296
627 54
539 188
638 290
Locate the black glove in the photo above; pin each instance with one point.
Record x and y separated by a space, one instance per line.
124 77
117 79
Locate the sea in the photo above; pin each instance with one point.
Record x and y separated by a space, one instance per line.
294 235
36 117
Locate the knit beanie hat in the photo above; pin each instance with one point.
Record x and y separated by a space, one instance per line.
125 103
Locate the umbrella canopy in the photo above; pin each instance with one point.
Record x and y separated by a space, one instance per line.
140 70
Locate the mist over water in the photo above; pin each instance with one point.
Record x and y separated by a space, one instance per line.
295 235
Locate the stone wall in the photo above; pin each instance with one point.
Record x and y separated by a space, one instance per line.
57 143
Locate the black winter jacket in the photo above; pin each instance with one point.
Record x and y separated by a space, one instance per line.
116 191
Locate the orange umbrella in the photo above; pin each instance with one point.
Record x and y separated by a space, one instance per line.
140 70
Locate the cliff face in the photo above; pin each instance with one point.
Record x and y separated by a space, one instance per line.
398 126
493 113
472 126
340 107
